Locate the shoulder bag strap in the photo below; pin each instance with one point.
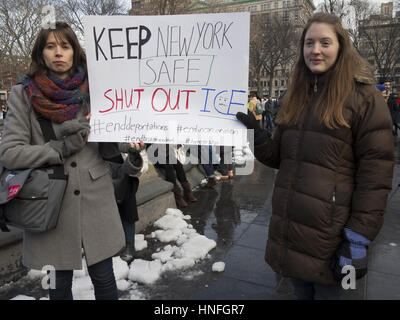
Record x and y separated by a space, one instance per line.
49 134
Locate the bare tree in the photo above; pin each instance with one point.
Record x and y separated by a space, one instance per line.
272 47
279 47
161 7
361 10
73 11
382 43
171 6
20 21
336 7
257 54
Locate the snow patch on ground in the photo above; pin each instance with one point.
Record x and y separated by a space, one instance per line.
191 247
22 297
140 243
185 248
218 266
144 271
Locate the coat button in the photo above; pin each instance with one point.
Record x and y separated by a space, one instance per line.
73 164
77 192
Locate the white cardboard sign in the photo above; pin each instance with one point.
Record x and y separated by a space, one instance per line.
168 79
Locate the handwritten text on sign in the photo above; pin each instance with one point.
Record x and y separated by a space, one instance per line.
168 79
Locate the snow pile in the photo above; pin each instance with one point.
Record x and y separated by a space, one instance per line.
190 248
22 297
192 274
172 220
218 266
143 271
121 268
184 249
140 243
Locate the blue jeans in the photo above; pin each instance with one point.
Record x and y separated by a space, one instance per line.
303 290
129 230
102 276
269 121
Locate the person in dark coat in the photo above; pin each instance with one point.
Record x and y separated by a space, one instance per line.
391 102
126 165
335 153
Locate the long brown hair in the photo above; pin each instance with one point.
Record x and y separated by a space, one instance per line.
340 83
61 30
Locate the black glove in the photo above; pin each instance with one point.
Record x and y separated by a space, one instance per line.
352 251
134 162
260 135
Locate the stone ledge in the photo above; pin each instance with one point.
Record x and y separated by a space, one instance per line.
9 238
11 268
152 189
151 211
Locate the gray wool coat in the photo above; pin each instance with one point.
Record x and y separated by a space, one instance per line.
89 217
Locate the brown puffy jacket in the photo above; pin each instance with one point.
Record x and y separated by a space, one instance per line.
328 180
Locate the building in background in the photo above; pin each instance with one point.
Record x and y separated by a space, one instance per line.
11 69
380 44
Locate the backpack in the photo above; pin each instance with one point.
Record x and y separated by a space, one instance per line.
258 110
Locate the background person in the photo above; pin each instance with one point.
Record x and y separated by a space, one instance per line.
383 90
264 114
56 87
174 171
335 153
126 166
252 106
392 104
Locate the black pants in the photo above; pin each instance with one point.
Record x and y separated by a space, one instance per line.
102 276
173 171
303 290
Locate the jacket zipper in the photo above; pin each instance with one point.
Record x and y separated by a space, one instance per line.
333 205
291 192
291 185
315 84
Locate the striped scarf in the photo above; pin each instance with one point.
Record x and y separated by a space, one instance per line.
58 99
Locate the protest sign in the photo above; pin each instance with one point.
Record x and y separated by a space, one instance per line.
168 79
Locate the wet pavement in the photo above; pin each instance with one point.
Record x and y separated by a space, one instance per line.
383 279
236 213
